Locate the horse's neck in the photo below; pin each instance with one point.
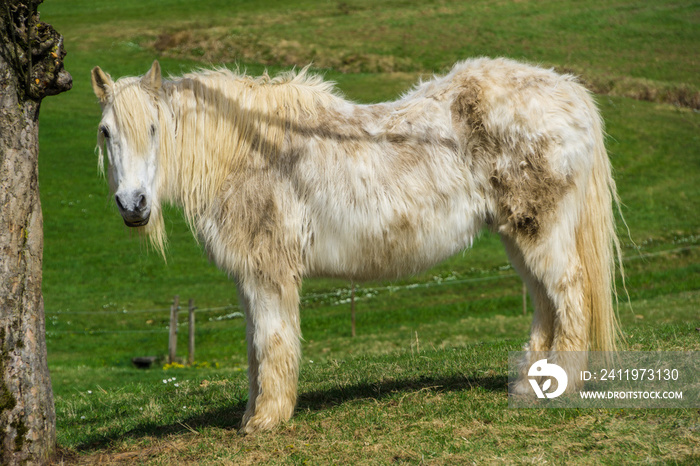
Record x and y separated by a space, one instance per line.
220 127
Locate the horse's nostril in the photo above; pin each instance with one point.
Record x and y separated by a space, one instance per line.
142 203
119 202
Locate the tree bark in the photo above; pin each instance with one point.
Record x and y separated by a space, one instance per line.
31 67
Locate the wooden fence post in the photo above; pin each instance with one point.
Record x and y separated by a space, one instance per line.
172 341
190 345
352 309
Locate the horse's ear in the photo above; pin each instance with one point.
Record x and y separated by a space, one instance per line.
152 80
101 83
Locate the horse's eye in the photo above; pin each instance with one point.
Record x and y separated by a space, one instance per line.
104 131
153 130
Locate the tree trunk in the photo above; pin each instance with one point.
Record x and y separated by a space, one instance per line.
31 67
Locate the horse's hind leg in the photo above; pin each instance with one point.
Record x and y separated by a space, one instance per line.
274 351
551 268
542 329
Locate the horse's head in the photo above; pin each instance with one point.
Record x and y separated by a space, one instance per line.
130 129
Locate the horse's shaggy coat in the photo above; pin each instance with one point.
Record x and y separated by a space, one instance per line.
282 178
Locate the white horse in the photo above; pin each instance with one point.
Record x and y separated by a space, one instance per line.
283 178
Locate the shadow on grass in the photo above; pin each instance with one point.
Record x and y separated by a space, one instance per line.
317 400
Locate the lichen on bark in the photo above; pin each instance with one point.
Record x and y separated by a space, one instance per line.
33 49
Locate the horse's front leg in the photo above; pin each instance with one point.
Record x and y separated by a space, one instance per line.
274 351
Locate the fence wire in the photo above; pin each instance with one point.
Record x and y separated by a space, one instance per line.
342 294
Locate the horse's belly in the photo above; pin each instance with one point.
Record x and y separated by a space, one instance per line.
366 247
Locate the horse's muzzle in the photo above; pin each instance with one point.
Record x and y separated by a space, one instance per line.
134 208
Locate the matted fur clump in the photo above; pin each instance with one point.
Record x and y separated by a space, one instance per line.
282 178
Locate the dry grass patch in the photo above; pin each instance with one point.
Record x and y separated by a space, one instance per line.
218 45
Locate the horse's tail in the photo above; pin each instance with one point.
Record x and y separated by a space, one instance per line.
599 248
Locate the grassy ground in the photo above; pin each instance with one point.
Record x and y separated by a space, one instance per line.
424 380
440 406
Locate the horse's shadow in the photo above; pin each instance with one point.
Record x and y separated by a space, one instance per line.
229 417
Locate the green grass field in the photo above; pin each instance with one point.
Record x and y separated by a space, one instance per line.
424 380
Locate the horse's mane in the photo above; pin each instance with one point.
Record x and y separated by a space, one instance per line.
213 123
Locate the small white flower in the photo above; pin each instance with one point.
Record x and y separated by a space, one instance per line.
89 392
311 361
165 381
82 417
177 384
